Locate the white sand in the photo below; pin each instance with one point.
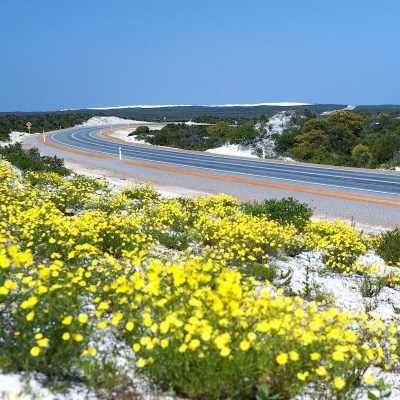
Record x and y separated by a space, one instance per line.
233 150
96 121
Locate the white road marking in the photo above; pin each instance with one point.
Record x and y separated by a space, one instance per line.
235 163
237 173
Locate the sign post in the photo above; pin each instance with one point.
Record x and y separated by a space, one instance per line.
44 137
120 153
28 124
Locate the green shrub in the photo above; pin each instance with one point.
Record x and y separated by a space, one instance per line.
31 160
389 246
285 211
261 272
4 136
140 130
172 240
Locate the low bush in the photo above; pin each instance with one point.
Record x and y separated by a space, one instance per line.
4 136
140 130
388 246
31 160
285 211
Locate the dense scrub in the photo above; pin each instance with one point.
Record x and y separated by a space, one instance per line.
200 137
285 211
173 287
345 138
40 122
389 246
31 160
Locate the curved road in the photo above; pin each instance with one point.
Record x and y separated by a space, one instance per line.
341 179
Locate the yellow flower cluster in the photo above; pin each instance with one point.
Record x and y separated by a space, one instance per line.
196 310
340 242
77 260
245 237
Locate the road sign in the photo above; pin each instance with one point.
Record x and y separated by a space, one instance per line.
28 124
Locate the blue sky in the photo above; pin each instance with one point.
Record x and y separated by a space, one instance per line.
94 53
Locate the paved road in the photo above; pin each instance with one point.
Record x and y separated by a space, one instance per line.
342 179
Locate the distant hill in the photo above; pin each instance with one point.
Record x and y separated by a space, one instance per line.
179 113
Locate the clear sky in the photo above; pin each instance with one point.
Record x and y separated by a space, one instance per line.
94 53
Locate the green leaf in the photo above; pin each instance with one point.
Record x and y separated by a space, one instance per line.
371 396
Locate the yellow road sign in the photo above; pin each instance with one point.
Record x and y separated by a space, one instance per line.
28 124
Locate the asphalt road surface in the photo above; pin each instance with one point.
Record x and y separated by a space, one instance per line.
351 180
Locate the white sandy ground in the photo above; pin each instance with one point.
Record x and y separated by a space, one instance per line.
123 134
280 121
233 150
348 108
96 121
15 137
283 104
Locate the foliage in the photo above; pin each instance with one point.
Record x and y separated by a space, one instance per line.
142 192
242 134
214 119
140 130
386 147
200 137
224 334
182 136
31 160
361 153
343 128
372 286
388 246
344 138
311 145
308 113
285 211
40 122
286 140
220 129
341 244
383 389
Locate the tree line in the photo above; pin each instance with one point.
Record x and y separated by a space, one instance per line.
40 122
344 138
